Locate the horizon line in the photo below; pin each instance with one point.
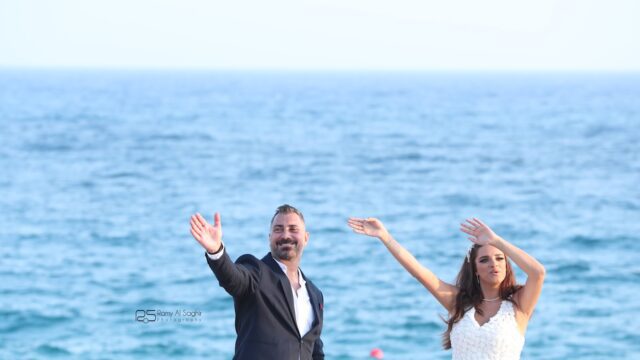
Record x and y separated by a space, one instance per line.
310 69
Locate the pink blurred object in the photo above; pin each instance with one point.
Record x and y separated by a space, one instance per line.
377 353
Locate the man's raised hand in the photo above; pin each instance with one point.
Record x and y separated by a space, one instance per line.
209 236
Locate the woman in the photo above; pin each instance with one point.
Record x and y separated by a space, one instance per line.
488 312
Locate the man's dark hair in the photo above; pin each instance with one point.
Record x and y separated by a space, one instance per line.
287 209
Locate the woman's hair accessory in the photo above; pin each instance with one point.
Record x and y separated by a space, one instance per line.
469 254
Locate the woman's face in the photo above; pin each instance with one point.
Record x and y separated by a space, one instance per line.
491 265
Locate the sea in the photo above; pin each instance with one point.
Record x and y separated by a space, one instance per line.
100 171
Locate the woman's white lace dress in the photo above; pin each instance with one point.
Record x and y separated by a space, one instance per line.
497 339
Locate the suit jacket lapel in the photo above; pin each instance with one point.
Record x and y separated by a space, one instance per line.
285 287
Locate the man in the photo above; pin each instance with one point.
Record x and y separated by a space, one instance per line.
278 309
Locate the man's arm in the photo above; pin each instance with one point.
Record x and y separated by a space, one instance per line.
236 279
318 352
318 346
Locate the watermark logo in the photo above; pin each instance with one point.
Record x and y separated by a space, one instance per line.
177 316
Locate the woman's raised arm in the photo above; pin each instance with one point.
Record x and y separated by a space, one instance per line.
445 293
527 297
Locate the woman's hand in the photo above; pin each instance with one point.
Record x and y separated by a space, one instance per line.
370 226
480 232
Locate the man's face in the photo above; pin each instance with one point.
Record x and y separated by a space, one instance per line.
288 237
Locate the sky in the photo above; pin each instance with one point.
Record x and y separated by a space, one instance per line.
322 34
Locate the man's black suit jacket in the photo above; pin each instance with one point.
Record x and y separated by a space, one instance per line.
265 315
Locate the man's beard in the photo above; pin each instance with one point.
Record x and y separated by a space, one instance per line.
285 249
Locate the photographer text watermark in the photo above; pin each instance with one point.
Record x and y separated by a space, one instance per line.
176 316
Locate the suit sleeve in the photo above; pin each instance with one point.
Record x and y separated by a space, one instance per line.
318 346
238 279
318 352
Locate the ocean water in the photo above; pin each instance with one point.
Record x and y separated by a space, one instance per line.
100 171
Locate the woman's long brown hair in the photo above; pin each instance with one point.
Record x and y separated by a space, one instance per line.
470 294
